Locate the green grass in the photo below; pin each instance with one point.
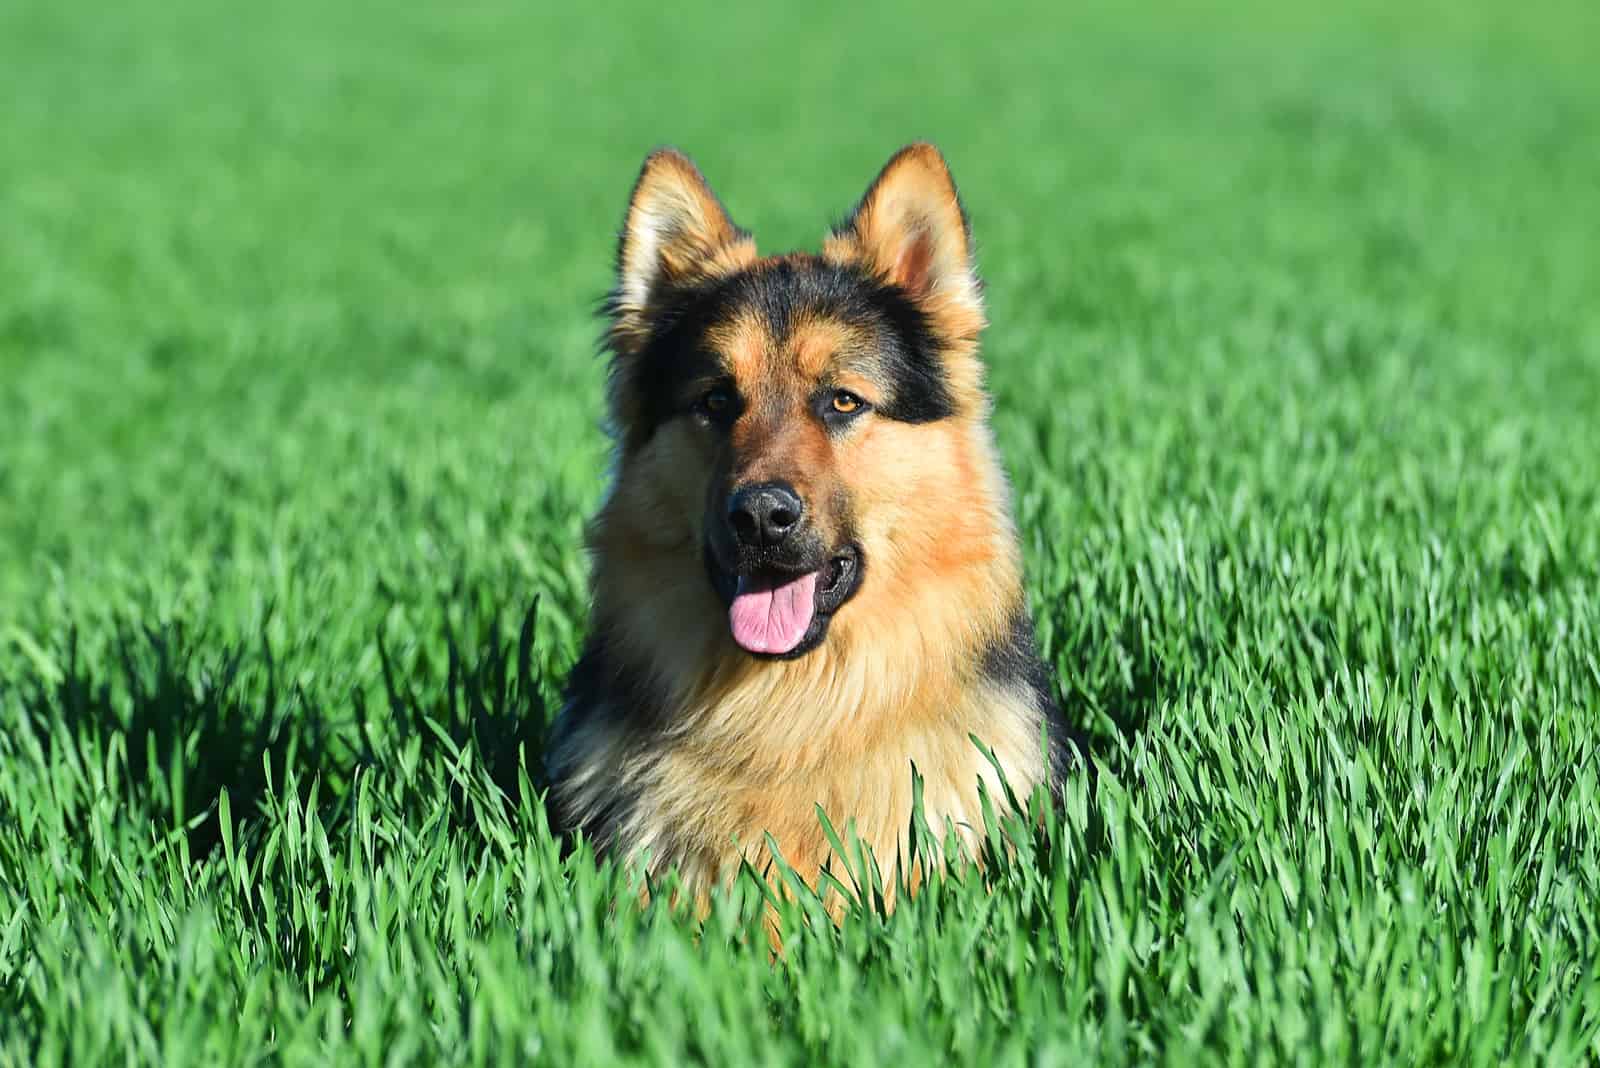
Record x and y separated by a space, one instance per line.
1296 350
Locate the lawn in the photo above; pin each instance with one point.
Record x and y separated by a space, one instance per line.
1296 358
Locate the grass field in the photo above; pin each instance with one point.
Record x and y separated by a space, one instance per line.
1296 350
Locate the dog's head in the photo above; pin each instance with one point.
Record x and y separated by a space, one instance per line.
795 428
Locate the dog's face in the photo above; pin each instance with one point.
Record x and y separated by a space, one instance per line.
790 427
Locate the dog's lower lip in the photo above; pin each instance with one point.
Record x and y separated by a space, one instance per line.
835 572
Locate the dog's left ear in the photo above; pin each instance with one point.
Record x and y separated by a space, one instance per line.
911 230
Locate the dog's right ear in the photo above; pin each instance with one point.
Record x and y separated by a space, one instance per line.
676 234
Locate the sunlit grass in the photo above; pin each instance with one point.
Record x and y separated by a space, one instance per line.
1296 356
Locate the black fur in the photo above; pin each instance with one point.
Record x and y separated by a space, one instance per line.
600 684
782 292
1013 661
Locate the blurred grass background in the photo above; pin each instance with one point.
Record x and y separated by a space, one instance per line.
1296 349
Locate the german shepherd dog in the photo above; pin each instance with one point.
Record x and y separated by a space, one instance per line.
806 577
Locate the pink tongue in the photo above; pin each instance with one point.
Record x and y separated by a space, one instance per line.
769 617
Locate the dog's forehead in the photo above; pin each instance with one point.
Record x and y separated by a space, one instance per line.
786 326
811 346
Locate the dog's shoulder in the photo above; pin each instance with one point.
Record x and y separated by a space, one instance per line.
1012 661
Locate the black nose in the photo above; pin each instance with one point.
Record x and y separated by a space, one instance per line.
763 514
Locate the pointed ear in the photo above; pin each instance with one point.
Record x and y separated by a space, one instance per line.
911 230
676 234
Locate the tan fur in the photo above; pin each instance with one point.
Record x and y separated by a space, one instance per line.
675 228
751 747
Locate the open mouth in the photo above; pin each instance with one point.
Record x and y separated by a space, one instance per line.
781 613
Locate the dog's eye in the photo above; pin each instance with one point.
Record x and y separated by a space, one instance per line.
846 403
716 403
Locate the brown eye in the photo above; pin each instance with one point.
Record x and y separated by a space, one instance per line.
716 401
847 403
